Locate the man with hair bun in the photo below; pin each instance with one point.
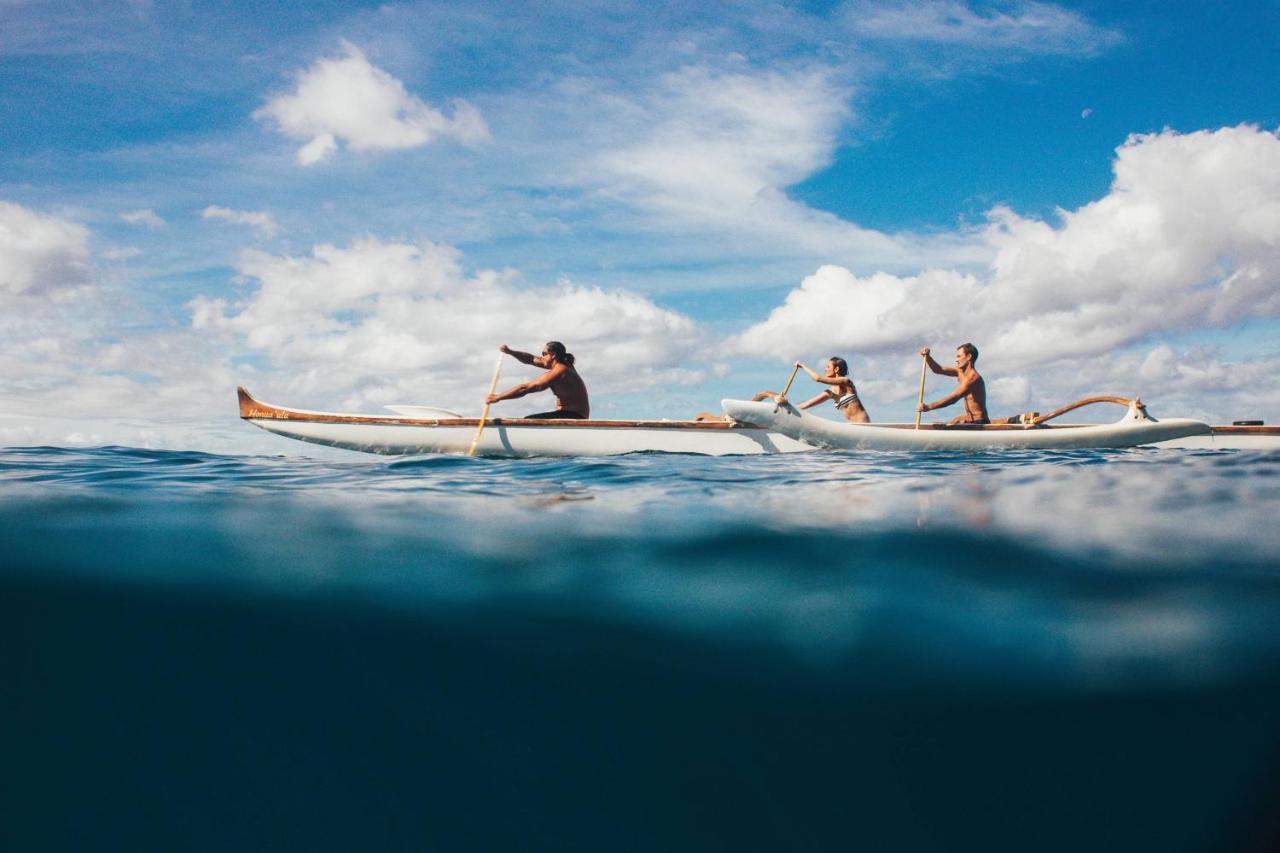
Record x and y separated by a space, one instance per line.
561 378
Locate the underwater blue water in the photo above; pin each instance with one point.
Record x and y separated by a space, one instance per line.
1066 650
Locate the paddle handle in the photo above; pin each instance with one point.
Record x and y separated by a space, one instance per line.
790 379
924 369
484 416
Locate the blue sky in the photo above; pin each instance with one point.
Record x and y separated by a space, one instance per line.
350 205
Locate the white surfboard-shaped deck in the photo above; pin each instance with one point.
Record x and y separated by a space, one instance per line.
1135 428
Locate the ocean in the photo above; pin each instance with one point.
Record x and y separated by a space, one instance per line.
1074 650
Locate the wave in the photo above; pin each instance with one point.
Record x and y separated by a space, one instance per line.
1073 565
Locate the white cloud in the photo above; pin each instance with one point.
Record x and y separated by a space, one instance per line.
348 99
380 322
833 310
1026 27
40 254
71 390
258 219
713 151
1188 236
317 149
1194 382
732 136
145 217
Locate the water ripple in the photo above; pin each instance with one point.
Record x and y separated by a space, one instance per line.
1086 566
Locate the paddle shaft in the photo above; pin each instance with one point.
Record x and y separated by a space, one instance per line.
924 369
790 379
471 451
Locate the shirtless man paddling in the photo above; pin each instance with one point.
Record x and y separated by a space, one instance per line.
972 387
561 378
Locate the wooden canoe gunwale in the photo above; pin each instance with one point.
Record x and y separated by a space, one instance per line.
1246 430
254 409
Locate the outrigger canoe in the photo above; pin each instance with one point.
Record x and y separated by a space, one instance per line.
1137 427
427 429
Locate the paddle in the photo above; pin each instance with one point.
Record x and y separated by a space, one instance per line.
471 451
787 387
924 367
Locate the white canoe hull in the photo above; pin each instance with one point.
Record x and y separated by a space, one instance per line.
504 437
519 440
1134 429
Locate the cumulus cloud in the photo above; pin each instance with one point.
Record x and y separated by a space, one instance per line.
67 365
145 217
72 389
378 322
40 254
257 219
1191 382
1027 28
1188 236
348 99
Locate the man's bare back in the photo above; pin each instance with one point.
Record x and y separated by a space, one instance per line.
569 389
972 388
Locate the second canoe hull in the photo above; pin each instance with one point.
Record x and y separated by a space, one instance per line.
1134 429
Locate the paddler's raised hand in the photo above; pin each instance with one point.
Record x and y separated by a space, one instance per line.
493 398
924 352
923 407
505 349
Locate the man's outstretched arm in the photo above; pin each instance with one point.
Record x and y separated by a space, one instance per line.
526 357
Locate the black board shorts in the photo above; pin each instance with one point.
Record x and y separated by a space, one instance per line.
560 414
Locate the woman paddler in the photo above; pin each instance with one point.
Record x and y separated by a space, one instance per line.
561 378
842 393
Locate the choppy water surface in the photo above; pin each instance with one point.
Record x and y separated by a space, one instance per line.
813 648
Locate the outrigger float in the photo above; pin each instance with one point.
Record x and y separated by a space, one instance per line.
756 428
